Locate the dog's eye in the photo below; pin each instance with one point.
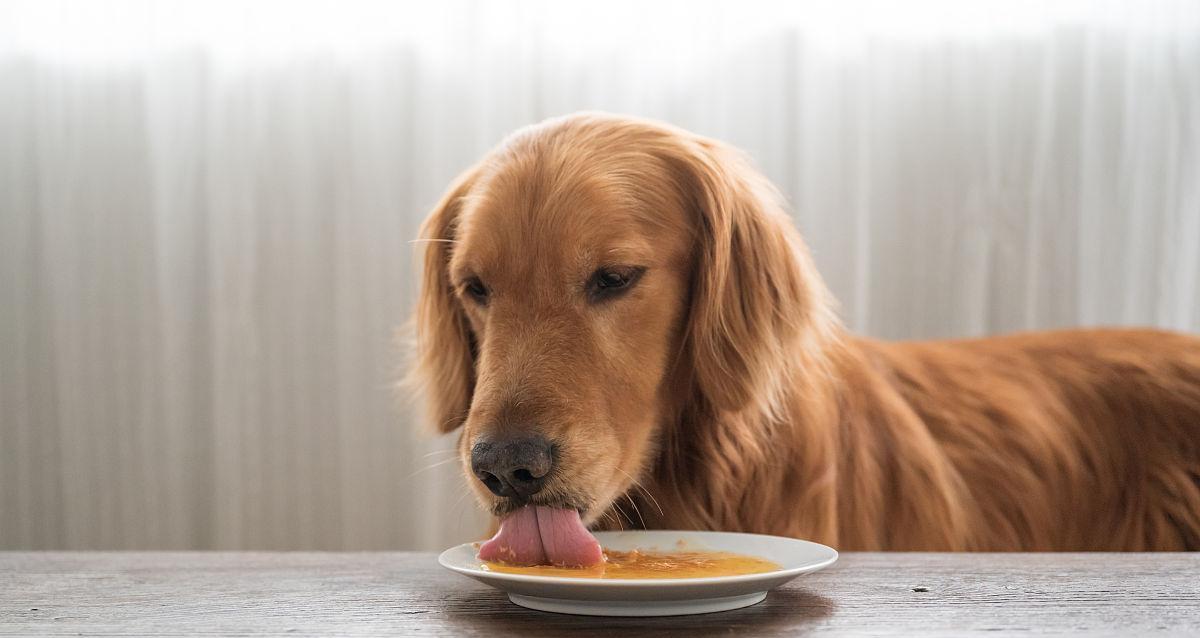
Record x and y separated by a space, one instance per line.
475 289
611 281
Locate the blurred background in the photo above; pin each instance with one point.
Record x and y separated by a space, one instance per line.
206 208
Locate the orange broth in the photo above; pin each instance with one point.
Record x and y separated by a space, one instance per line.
642 564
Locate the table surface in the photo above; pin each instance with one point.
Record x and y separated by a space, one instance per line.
409 594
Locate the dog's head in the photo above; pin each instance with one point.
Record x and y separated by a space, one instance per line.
584 284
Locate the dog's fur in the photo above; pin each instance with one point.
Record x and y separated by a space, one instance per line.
721 392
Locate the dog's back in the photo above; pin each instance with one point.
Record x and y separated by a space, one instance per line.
1068 440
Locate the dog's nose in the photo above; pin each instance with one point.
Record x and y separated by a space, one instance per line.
515 467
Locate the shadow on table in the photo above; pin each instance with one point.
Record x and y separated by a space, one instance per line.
786 611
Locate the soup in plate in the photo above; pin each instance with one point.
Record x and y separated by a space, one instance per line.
639 564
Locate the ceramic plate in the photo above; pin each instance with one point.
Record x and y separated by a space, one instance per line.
657 596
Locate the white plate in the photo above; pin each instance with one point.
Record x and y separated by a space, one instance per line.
654 596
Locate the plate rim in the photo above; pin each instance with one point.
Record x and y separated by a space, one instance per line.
648 582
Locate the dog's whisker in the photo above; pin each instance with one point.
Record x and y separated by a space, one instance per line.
653 500
635 508
463 493
430 467
618 511
645 491
629 518
616 519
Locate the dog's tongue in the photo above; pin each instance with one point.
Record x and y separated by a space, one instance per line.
536 535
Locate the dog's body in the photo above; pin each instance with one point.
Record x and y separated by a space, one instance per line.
1073 440
699 378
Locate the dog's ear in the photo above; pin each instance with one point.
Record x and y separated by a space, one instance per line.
445 346
755 294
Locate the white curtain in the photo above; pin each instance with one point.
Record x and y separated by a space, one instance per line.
205 211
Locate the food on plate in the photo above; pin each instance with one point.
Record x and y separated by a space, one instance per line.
638 564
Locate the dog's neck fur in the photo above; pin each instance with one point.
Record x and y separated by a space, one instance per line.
781 471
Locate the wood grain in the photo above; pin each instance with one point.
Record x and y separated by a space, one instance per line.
296 594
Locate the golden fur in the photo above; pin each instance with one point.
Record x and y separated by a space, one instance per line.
721 391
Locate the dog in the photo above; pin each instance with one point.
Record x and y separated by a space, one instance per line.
628 331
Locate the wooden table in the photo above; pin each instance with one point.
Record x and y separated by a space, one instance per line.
408 594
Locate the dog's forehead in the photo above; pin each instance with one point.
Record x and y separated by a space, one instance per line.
518 229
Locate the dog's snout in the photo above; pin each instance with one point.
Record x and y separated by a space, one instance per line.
515 467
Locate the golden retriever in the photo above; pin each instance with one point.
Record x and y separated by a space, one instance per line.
624 323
